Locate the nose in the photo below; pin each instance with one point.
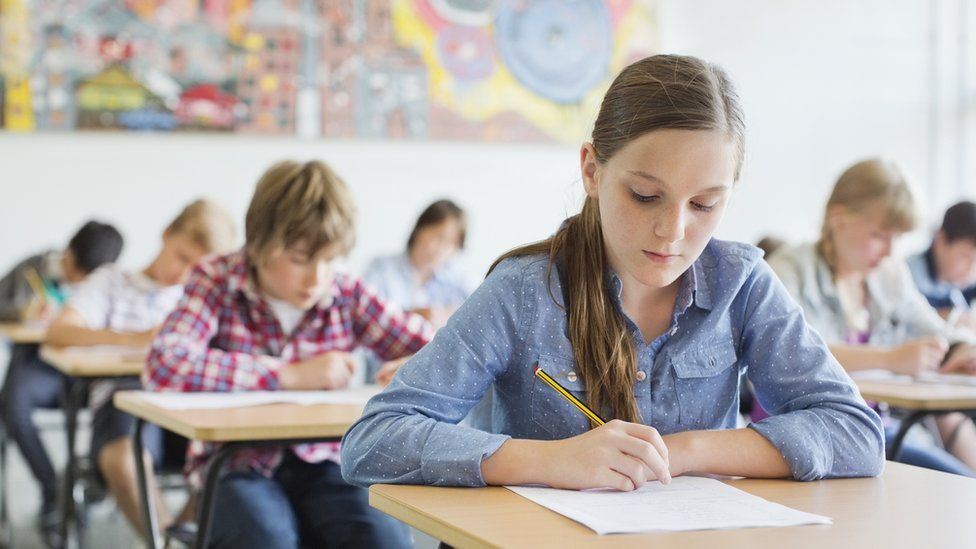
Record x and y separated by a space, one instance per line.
670 224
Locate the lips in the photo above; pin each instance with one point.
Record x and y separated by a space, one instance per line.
660 258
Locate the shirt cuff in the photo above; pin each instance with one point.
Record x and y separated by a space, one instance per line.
803 440
453 454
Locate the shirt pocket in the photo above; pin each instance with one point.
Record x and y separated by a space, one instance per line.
706 383
552 412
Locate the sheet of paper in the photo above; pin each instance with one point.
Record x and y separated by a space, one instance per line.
947 379
123 352
210 401
688 503
880 375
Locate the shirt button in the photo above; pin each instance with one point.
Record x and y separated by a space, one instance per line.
641 376
571 377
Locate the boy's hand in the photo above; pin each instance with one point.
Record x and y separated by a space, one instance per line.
389 369
331 370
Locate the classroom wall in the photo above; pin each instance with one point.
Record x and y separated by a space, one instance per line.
823 83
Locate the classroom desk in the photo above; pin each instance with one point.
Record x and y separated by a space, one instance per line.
906 507
237 429
919 399
23 332
82 366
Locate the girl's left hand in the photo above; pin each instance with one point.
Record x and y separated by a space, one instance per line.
961 361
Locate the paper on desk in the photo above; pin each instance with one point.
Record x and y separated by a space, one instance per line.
947 379
122 352
210 401
688 503
880 375
927 377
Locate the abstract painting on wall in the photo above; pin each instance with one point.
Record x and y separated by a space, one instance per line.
499 70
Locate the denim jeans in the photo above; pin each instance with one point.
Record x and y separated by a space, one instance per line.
930 457
303 505
31 383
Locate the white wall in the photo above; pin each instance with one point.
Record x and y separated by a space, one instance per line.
823 83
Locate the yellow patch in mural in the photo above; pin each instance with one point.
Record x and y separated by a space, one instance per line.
269 83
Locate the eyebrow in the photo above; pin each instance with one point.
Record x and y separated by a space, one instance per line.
654 178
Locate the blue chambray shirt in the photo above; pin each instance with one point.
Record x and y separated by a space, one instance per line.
732 317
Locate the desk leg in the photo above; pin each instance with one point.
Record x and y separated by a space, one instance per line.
906 424
74 393
209 496
6 539
151 532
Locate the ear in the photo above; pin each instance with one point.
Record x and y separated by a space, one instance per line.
940 240
589 170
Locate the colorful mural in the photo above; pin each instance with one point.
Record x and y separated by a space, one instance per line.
508 70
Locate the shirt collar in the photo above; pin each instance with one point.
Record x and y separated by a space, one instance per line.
693 289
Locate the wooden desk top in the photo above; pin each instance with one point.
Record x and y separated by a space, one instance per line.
267 422
23 332
100 361
907 507
920 395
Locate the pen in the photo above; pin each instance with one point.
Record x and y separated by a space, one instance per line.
541 374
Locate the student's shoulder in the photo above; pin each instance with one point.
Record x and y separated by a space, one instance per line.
522 268
227 271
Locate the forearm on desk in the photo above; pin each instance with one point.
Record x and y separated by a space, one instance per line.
732 452
857 357
63 335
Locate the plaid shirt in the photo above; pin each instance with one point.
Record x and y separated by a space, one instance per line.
223 336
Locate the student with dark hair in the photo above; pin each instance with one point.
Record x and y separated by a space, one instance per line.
30 382
945 273
424 278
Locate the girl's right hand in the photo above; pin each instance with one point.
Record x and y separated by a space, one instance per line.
617 455
921 355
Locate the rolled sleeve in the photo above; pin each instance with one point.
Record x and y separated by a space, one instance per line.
409 433
819 423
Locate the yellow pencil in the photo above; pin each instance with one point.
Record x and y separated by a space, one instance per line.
541 374
36 284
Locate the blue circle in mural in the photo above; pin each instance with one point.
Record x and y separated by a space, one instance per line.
559 49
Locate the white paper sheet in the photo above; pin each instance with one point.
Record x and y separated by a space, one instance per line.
209 401
947 379
926 377
880 375
688 503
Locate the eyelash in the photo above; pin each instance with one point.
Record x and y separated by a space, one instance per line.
645 199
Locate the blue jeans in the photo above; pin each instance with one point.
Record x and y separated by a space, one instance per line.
929 457
303 505
31 383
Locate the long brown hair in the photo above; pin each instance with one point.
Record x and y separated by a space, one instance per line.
658 92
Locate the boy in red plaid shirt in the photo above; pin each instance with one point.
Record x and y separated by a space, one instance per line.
278 315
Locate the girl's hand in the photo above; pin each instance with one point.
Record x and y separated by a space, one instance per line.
961 361
921 355
617 455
